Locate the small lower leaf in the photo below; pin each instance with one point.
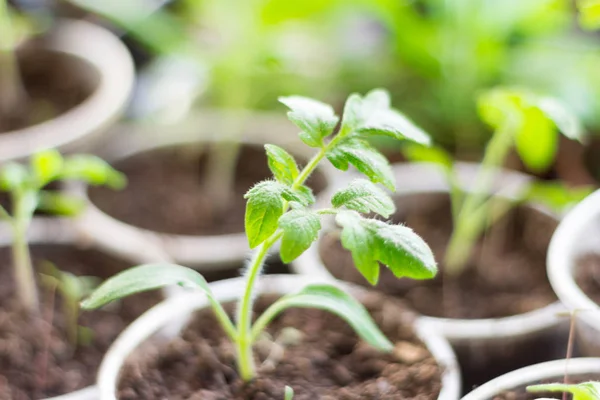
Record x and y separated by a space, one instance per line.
336 301
300 229
263 209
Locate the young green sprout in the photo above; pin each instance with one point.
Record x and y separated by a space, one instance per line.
72 289
25 185
521 120
279 210
580 391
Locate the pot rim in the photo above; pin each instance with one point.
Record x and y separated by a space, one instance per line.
109 56
210 252
534 373
562 255
429 178
172 314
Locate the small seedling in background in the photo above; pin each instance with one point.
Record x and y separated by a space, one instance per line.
589 14
25 185
12 93
580 391
280 209
72 289
521 120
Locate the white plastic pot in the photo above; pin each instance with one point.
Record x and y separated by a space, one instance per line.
203 252
113 77
176 310
576 235
478 342
533 374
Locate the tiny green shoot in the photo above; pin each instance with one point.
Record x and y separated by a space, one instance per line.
288 393
521 120
580 391
280 209
26 187
72 289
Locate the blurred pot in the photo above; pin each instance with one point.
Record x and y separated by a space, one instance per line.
176 311
534 374
480 344
110 72
212 252
578 234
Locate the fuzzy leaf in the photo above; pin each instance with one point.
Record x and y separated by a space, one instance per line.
316 120
364 196
396 246
365 158
282 164
306 194
263 209
92 170
372 115
334 300
580 391
300 230
144 278
46 166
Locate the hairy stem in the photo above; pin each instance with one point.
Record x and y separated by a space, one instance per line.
12 93
466 227
244 338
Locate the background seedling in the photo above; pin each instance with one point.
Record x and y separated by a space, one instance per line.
72 289
279 209
521 120
12 93
26 186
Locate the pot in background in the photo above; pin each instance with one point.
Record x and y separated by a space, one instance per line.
109 71
480 344
168 317
212 252
578 234
534 374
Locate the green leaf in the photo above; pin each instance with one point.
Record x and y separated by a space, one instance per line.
580 391
306 194
372 115
334 300
46 166
564 119
364 196
555 195
60 204
263 209
300 230
92 170
144 278
396 246
13 176
365 158
536 140
282 164
589 14
316 120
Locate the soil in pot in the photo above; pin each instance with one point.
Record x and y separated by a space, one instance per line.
327 362
506 276
522 394
165 191
54 84
37 359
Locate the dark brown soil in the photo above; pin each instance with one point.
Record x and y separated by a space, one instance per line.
522 394
36 358
587 275
328 362
165 192
54 83
506 273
